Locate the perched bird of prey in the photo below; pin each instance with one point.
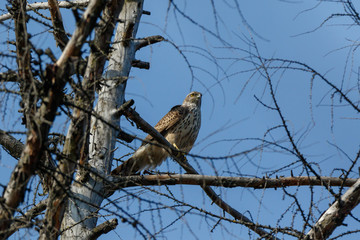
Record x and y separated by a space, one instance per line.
180 126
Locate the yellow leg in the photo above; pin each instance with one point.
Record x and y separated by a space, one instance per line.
179 154
174 144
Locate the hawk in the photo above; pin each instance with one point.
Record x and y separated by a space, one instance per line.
180 126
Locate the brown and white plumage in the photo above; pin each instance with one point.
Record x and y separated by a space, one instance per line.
180 126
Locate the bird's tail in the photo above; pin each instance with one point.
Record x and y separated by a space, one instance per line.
127 168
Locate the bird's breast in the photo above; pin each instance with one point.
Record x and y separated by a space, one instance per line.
186 131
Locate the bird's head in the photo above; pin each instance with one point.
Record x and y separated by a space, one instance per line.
193 98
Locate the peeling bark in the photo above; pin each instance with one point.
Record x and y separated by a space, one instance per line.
76 141
89 195
335 215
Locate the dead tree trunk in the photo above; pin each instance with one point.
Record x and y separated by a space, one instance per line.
86 196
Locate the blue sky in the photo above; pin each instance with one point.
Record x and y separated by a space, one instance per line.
280 29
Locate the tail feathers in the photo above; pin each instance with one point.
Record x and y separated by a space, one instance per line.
129 167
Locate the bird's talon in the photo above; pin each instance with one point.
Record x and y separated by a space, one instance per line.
179 154
147 172
175 146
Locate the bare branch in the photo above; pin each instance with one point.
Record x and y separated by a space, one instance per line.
103 229
84 27
335 215
13 146
59 30
45 5
57 76
25 220
10 76
222 181
76 143
140 43
140 64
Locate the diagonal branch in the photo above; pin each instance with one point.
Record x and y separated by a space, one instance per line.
13 146
103 229
56 19
335 215
143 125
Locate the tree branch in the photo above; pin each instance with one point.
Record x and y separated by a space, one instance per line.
9 76
56 19
140 64
76 143
25 220
103 229
13 146
143 42
56 78
221 181
45 5
336 214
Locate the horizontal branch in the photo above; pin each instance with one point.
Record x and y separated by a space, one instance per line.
140 64
10 76
143 42
45 5
228 182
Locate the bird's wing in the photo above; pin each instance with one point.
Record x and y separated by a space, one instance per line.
169 121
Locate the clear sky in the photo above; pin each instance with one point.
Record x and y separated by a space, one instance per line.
233 121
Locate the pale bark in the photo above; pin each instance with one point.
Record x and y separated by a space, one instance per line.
88 196
76 142
56 19
335 215
45 5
